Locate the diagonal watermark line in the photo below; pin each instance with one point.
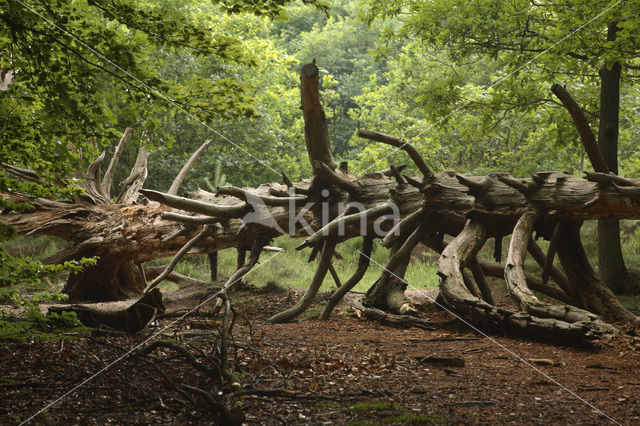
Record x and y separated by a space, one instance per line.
497 82
500 345
153 336
151 89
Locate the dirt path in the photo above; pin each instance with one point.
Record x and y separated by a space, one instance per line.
355 370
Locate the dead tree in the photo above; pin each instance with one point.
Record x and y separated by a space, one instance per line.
452 214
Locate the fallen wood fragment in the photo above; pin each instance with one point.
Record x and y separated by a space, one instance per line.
440 360
131 319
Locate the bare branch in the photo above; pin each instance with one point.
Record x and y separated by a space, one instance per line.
245 195
334 178
332 228
179 255
399 143
173 190
305 301
363 265
197 220
587 136
111 169
196 206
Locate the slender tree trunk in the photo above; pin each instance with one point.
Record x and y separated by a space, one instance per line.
213 265
610 260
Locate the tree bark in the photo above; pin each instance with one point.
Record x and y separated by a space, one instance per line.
316 132
610 260
469 208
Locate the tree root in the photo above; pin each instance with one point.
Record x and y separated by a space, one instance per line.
305 301
393 319
479 313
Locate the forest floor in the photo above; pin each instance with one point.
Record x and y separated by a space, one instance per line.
344 371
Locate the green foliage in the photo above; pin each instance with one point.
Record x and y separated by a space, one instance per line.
27 271
84 70
368 406
219 178
291 268
34 323
470 86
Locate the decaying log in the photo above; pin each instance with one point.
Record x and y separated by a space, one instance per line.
131 319
597 297
335 206
517 282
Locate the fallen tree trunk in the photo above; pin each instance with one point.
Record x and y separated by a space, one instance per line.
402 211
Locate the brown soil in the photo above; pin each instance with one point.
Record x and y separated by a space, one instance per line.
350 370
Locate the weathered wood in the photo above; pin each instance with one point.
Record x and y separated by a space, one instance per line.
551 253
183 250
213 265
173 190
490 317
305 301
496 270
316 132
517 283
400 144
107 179
132 185
597 297
514 269
363 265
131 319
469 208
478 275
388 291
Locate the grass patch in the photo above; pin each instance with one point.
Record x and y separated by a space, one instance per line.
24 330
361 407
391 414
407 419
291 268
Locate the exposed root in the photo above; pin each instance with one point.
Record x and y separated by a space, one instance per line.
184 250
363 265
392 319
482 315
305 301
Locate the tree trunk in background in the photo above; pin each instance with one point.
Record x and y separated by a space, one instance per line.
610 260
